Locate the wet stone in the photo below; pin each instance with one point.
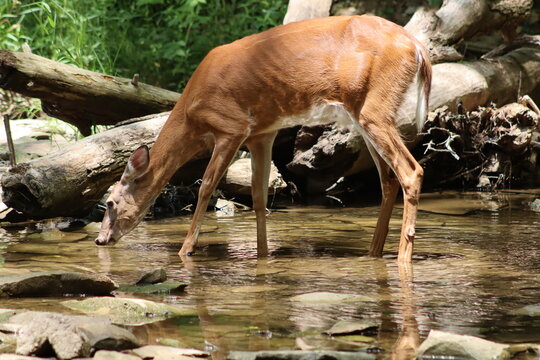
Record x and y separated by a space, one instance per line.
125 311
19 357
55 283
529 310
113 355
324 297
161 352
168 287
535 205
299 355
448 345
153 277
352 327
46 334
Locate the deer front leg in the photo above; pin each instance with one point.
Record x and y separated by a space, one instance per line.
389 188
260 148
224 151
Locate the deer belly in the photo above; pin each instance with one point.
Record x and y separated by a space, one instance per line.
324 113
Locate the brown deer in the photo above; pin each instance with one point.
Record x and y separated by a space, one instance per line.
354 69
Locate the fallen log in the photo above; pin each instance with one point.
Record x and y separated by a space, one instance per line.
81 97
71 181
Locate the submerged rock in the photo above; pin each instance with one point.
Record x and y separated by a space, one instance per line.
113 355
160 352
66 336
440 343
153 277
352 327
55 283
529 310
535 205
164 287
299 355
18 357
125 311
324 297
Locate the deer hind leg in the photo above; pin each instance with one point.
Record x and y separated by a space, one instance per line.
382 134
224 150
260 148
389 188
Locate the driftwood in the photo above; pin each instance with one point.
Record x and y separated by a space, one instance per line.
71 181
485 148
81 97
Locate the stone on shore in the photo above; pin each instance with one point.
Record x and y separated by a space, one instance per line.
62 336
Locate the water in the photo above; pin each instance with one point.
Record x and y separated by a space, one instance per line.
469 272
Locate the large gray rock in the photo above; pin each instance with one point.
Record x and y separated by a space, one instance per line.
299 355
66 336
55 283
440 343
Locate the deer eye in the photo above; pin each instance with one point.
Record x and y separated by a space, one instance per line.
110 204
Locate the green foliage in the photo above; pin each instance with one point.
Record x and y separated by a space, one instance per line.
163 40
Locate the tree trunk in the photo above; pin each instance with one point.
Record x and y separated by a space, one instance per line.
70 182
307 9
457 20
80 97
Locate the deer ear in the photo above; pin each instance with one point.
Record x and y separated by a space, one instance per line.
137 164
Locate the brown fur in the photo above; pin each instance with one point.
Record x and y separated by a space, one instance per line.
241 91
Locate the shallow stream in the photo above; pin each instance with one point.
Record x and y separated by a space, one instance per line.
472 267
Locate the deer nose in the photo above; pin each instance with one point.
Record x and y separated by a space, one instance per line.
103 241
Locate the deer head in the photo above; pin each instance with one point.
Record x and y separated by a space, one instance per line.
127 203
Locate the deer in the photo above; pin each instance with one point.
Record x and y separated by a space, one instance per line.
356 68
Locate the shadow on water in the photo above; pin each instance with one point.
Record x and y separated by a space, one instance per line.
468 274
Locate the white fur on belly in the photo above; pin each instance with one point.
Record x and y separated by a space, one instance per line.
322 113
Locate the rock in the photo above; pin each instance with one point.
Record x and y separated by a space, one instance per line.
237 179
160 352
299 355
55 283
125 311
352 327
440 343
529 310
66 336
153 277
164 287
20 357
535 205
113 355
323 297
